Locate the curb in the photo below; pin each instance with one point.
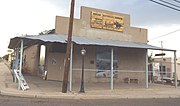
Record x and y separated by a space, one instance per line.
84 96
30 95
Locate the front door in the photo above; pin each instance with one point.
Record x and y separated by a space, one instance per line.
55 66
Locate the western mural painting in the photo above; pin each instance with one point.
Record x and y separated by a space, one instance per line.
107 21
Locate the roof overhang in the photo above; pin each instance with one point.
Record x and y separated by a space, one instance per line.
60 38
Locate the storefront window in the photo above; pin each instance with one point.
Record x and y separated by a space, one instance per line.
103 62
163 70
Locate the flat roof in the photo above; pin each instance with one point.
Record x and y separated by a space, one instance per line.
60 38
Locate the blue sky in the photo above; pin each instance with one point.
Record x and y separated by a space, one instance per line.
33 16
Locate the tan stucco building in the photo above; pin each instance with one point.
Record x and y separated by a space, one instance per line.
127 59
166 66
103 34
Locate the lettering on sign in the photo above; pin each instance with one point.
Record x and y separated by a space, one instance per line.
96 20
108 22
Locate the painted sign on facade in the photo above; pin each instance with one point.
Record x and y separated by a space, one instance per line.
107 21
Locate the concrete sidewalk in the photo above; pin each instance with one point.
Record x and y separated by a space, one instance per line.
5 75
52 89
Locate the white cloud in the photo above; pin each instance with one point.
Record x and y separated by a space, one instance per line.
24 17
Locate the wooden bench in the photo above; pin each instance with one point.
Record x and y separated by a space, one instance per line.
131 80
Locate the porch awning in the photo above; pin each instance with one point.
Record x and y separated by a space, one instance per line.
35 39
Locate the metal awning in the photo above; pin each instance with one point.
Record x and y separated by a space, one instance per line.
35 39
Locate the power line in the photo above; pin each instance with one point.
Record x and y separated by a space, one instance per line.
170 3
165 5
165 34
176 1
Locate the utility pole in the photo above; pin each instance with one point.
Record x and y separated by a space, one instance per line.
163 71
162 46
68 49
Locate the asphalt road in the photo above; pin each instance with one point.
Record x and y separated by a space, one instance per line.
16 101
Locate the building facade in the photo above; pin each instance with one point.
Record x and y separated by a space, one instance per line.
99 24
111 44
164 67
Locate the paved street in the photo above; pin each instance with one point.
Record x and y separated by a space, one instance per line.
16 101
